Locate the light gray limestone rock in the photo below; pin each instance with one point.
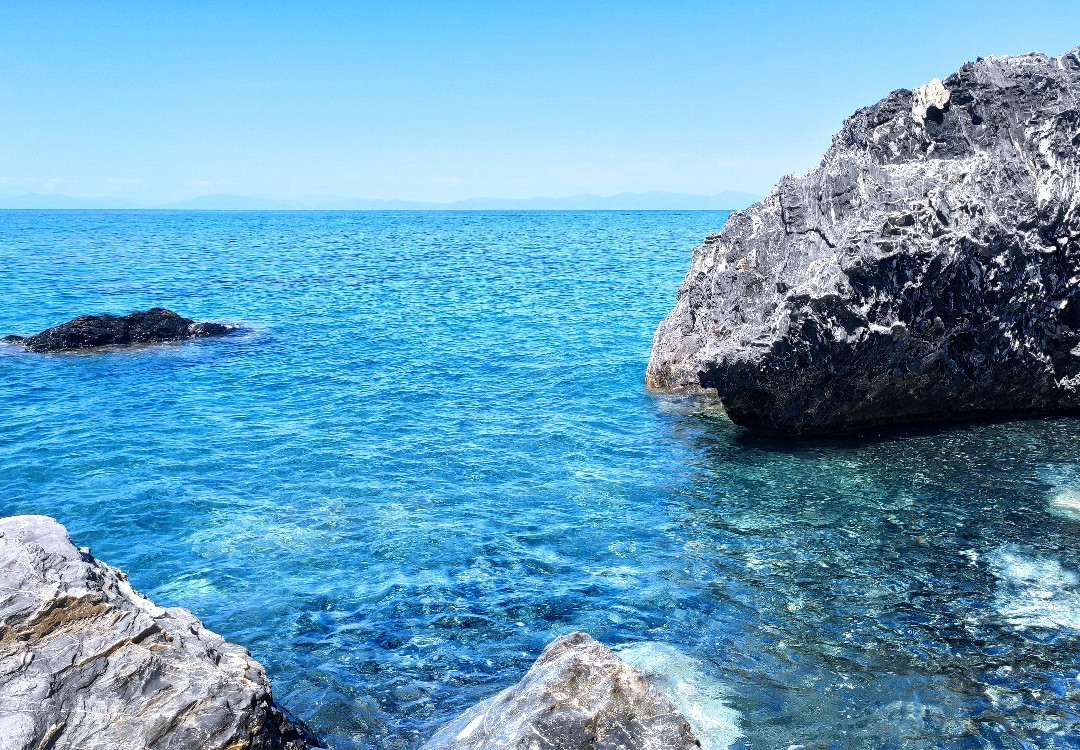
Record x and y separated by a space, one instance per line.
87 663
577 696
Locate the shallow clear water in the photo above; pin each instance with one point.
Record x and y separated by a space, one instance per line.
430 452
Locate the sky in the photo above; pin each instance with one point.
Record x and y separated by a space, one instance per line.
439 101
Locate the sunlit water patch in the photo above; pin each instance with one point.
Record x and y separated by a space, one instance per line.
1065 501
430 452
684 681
1035 591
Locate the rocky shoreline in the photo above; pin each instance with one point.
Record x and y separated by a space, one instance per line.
928 270
88 663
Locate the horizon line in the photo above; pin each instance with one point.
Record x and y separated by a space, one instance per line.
137 209
656 200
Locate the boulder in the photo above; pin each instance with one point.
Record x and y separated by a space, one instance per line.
87 663
154 326
928 269
577 696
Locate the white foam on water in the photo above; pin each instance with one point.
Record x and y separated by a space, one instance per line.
1034 591
683 681
1065 502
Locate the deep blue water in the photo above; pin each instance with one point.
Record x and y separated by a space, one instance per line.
430 452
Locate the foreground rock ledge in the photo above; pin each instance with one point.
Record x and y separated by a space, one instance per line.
87 663
577 696
154 326
929 269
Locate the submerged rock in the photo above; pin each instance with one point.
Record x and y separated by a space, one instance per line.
577 696
92 331
87 663
929 269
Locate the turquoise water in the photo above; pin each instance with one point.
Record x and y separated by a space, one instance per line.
430 452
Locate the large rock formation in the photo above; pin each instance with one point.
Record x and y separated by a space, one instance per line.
577 696
154 326
928 269
87 663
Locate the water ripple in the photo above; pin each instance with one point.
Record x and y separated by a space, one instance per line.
430 452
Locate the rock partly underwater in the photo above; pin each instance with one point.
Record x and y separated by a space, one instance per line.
579 695
154 326
87 663
928 269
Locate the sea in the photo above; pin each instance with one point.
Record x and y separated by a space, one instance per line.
429 451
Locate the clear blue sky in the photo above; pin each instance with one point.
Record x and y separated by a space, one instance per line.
155 101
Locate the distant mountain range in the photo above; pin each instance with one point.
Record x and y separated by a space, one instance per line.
656 200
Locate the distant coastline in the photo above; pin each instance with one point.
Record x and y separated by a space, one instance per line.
648 201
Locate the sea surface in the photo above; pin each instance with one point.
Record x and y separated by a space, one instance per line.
430 452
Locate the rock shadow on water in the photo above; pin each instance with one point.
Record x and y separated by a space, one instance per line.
920 568
701 420
707 411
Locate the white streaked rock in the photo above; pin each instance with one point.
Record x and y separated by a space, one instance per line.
925 271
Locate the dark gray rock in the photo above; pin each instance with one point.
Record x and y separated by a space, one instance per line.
929 269
93 331
577 696
87 663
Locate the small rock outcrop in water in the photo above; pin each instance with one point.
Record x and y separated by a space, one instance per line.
577 696
92 331
928 269
87 663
